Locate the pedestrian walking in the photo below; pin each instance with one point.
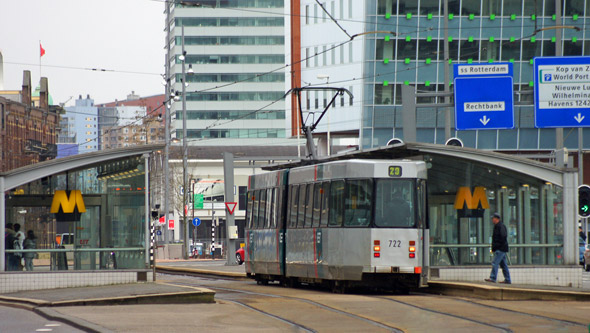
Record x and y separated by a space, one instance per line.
500 250
30 243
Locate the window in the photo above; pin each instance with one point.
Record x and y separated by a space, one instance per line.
302 205
293 206
336 203
306 14
317 204
325 208
270 213
315 13
394 203
358 203
309 200
255 214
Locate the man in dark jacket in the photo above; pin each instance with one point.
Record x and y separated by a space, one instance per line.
500 249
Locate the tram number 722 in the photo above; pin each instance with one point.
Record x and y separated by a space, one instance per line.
395 243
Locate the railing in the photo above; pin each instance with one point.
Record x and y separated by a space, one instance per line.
83 259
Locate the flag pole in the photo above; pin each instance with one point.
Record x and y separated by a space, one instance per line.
40 55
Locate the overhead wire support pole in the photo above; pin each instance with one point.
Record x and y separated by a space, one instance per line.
184 155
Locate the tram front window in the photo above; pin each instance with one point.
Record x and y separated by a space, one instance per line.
394 203
358 202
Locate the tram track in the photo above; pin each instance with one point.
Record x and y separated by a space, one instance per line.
299 299
339 311
438 309
563 321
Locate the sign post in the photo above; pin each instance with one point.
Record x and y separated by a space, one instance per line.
484 96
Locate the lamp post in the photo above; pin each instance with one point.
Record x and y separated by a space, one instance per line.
184 153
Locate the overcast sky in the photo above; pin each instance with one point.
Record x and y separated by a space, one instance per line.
116 35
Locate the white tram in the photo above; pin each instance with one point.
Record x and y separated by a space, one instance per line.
341 224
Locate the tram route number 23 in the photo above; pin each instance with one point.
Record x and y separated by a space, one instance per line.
395 171
395 243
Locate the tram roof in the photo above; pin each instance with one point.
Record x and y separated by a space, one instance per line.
414 150
20 176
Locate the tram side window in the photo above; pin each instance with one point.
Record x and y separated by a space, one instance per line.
358 203
262 210
249 210
309 206
394 203
336 203
302 205
256 201
421 194
281 206
293 202
271 209
317 204
325 207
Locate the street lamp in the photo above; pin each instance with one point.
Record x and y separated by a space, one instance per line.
184 153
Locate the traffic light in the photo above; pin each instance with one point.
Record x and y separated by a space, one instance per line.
584 200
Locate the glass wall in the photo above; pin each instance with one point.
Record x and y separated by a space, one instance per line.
484 31
462 197
109 234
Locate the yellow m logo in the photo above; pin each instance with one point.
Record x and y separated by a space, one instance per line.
464 196
60 199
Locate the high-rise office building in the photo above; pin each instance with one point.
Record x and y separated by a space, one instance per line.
231 46
379 63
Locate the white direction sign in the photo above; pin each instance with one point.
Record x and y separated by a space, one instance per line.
562 92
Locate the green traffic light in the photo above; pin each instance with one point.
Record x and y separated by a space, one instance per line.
585 208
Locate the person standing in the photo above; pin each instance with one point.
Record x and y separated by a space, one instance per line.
500 250
9 238
18 245
30 243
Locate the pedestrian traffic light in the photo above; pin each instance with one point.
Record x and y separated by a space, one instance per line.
584 200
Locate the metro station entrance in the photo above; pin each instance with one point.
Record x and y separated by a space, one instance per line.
85 218
461 204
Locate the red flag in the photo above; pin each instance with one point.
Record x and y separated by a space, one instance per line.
41 50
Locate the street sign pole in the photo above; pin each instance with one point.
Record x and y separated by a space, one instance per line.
228 177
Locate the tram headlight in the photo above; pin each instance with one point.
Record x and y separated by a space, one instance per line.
412 249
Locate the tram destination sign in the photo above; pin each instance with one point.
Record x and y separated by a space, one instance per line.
484 96
562 91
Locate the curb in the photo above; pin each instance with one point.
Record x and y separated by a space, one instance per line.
504 293
171 269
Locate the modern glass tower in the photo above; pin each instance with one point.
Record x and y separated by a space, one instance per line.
403 43
484 31
231 46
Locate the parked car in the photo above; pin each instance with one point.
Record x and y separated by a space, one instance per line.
240 255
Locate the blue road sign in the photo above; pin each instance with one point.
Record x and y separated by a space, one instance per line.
484 96
562 91
159 232
196 221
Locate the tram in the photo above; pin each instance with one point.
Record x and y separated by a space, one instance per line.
339 224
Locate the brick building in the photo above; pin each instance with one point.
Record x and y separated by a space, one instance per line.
28 132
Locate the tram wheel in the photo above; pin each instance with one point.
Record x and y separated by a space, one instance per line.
262 282
289 282
338 287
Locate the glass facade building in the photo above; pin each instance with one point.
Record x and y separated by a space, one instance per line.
479 31
236 49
